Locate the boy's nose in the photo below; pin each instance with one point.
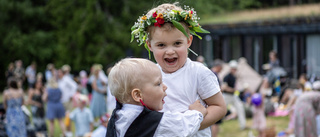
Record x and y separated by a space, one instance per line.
164 88
170 51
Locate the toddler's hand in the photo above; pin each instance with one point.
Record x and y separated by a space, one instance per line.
199 107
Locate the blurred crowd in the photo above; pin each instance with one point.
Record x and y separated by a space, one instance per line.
85 100
251 95
55 95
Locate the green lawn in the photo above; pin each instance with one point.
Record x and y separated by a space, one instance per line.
231 128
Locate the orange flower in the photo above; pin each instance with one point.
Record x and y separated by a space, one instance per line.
186 17
144 17
190 14
160 15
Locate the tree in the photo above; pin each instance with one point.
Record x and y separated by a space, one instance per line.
24 33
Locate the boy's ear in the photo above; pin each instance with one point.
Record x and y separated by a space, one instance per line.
190 41
149 44
136 94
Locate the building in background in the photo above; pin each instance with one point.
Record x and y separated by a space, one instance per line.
294 32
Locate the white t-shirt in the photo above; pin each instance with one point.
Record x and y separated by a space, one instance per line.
171 125
191 82
68 87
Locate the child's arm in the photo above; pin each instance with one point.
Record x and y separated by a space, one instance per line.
216 110
179 124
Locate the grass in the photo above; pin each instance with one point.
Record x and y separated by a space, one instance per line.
262 14
231 129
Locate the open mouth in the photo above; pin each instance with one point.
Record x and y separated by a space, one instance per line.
171 60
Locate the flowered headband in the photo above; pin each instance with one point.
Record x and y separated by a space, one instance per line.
188 15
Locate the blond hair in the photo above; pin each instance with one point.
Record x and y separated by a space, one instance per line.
167 26
127 74
52 83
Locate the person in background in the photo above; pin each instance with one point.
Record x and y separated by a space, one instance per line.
12 101
19 73
49 71
37 108
307 107
102 129
98 101
201 59
259 119
68 88
83 82
273 59
30 73
216 67
55 109
82 116
67 69
10 71
229 89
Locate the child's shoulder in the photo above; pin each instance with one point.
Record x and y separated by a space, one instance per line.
198 67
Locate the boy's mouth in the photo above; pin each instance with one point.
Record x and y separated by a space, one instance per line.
171 60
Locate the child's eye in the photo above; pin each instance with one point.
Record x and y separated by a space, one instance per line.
177 43
160 45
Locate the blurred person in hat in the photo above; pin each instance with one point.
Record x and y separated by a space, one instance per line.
82 116
229 89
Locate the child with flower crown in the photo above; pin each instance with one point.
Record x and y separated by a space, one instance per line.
166 31
137 85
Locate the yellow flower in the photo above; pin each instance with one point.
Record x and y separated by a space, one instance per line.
186 17
190 14
160 15
144 17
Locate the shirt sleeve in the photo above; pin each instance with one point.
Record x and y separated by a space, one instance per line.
91 119
72 115
208 84
179 124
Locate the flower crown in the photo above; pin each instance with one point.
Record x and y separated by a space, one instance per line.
188 15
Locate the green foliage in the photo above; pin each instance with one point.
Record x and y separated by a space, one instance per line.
24 34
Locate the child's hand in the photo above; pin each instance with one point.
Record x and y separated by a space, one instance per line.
199 107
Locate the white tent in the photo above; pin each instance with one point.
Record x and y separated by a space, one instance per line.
246 75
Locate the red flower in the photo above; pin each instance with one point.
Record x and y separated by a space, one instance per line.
154 14
191 11
159 22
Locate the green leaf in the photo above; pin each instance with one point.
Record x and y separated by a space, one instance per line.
192 23
133 28
180 27
201 30
204 31
132 37
146 46
194 33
